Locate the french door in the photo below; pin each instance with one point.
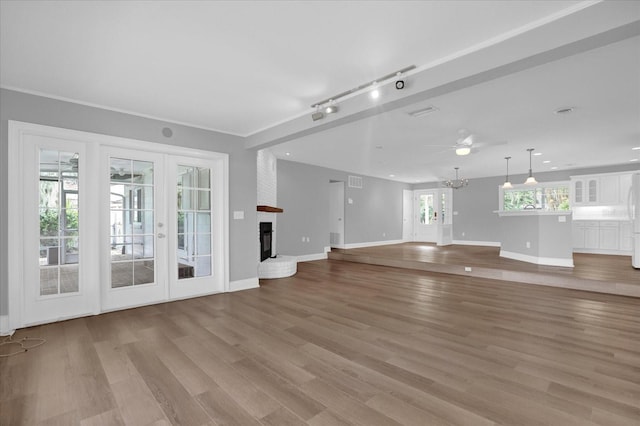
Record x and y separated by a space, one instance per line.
133 240
163 234
196 227
55 230
99 227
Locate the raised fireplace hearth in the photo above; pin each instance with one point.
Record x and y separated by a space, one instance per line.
272 265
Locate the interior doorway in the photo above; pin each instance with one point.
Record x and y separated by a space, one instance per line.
336 214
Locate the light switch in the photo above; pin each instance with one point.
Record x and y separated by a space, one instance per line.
238 214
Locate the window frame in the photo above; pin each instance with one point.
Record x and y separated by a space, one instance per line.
540 185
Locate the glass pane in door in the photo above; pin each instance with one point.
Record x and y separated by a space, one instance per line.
426 209
59 218
193 198
132 231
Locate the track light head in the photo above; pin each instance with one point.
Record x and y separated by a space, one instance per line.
318 115
331 109
399 84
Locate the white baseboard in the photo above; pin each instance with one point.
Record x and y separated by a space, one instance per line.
245 284
310 257
602 251
373 244
477 243
4 326
549 261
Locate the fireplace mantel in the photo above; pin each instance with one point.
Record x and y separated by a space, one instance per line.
269 209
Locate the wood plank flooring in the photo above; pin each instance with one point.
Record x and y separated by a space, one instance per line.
340 343
602 273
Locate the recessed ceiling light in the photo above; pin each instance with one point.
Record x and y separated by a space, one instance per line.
565 110
554 168
375 94
392 175
546 161
635 148
287 154
537 154
633 159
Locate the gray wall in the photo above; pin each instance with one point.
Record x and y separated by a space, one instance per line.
242 165
548 237
476 203
303 193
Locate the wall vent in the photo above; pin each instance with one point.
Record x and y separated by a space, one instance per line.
355 182
423 111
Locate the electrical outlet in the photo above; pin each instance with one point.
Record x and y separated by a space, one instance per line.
467 268
528 244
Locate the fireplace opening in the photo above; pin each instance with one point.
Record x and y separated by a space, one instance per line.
266 232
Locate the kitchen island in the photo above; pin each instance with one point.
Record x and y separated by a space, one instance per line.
537 236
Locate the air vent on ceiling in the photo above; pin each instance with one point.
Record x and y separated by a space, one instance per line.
355 182
423 111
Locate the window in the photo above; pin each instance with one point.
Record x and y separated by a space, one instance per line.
426 209
551 196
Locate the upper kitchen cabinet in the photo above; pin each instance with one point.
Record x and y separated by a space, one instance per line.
607 189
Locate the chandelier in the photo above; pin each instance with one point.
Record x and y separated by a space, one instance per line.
457 183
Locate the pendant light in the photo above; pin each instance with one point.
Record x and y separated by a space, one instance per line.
507 182
530 180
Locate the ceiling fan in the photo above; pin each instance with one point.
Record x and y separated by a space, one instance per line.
467 143
65 167
464 143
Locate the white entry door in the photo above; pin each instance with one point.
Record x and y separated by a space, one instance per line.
134 237
426 215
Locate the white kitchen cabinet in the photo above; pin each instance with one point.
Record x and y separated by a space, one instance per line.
625 186
592 190
626 242
592 237
586 235
609 236
604 236
584 191
608 190
577 192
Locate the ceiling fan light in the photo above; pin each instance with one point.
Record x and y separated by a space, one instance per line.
463 150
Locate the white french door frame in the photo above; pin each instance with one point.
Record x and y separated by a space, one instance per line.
17 132
194 286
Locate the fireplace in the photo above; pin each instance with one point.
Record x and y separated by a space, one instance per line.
266 233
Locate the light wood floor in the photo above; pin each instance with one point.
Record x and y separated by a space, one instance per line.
340 343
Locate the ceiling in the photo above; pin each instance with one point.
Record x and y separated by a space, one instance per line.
254 69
